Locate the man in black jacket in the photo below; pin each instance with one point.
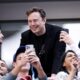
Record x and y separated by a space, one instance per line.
45 38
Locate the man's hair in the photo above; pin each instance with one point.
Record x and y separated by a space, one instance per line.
20 50
36 9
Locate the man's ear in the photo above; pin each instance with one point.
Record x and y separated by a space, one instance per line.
44 19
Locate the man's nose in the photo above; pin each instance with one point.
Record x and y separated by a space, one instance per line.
32 23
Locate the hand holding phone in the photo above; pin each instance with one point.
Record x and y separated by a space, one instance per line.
29 46
30 49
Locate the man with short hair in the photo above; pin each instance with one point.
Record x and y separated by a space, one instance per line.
45 38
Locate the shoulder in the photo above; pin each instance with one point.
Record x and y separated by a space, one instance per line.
61 75
53 26
53 30
9 76
26 33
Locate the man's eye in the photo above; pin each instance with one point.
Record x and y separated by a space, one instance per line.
19 58
69 55
35 20
2 64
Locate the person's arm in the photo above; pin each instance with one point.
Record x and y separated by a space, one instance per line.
9 76
15 70
70 76
72 72
35 62
13 74
59 49
41 73
65 37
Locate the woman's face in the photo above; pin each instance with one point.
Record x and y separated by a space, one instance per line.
69 59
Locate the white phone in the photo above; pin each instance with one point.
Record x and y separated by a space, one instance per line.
29 46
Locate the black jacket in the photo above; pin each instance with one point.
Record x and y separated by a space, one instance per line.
48 48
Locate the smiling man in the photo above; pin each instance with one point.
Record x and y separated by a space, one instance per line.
45 38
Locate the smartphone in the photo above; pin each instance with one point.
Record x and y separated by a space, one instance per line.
29 46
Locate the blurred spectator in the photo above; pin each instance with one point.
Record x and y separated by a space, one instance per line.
3 68
69 67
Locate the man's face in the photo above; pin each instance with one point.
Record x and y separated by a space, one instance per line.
36 22
21 60
3 68
1 37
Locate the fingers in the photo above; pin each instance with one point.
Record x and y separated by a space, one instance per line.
74 63
29 51
33 59
30 56
63 35
25 58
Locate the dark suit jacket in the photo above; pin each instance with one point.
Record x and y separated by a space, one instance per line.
48 48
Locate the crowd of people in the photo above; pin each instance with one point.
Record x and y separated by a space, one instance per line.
49 58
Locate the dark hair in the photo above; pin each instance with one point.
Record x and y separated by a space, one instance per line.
35 9
62 68
20 50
